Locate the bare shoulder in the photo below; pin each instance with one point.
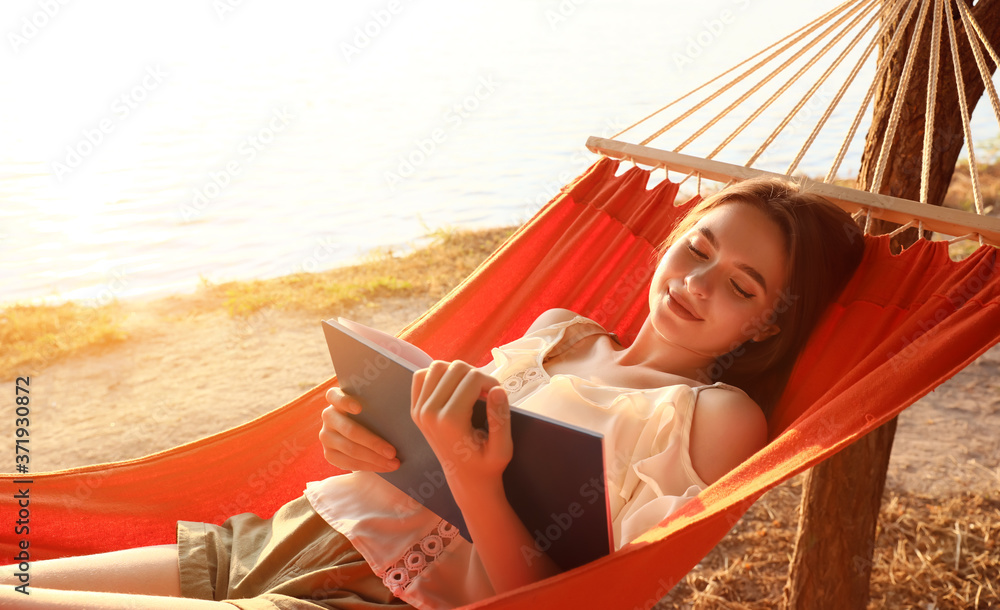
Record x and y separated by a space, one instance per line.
728 428
550 317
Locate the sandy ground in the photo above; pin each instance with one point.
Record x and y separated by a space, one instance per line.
185 374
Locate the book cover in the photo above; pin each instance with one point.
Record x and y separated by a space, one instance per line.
554 482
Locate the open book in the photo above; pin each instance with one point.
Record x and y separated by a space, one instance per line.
554 482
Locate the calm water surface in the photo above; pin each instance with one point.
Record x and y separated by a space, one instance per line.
144 148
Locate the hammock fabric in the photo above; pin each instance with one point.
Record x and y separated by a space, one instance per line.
903 325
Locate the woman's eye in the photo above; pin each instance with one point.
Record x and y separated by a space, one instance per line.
740 291
736 287
698 253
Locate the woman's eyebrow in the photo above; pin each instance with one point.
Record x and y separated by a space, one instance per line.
753 273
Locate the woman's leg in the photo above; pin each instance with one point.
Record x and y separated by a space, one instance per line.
150 570
145 577
53 599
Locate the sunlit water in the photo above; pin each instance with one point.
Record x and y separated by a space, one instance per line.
145 147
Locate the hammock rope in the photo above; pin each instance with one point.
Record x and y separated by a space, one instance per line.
813 41
930 104
812 91
861 11
886 14
972 26
824 46
795 37
897 102
964 108
991 90
709 82
883 67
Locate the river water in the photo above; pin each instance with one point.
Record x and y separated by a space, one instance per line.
145 148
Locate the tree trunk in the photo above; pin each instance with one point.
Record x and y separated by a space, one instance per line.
831 566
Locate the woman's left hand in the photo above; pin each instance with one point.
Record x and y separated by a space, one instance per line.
441 405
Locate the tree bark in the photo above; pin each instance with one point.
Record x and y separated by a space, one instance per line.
838 516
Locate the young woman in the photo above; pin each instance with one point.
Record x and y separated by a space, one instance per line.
743 280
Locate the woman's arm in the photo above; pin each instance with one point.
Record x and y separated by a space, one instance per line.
727 428
473 461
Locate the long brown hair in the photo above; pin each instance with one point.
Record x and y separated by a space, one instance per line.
823 246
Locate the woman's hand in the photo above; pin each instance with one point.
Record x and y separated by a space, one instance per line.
347 444
441 405
473 463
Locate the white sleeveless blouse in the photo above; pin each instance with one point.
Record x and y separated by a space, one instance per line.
421 558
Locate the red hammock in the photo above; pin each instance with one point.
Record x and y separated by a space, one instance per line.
904 324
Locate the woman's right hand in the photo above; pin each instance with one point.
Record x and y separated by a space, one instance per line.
347 444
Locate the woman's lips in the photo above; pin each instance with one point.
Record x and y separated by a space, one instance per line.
680 309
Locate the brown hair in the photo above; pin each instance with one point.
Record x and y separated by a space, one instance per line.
824 246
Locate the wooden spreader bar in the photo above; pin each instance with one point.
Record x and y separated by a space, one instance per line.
946 221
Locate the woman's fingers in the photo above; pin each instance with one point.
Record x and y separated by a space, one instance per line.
500 447
345 462
349 445
444 387
430 382
344 403
444 396
445 393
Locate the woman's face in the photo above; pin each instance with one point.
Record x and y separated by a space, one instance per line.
722 282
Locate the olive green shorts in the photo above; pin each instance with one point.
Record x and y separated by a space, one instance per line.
292 560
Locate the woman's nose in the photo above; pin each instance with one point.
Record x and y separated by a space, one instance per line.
698 282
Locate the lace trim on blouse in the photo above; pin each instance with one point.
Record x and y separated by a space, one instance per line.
399 577
515 382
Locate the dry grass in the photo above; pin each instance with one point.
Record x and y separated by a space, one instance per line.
960 195
929 553
32 336
431 271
